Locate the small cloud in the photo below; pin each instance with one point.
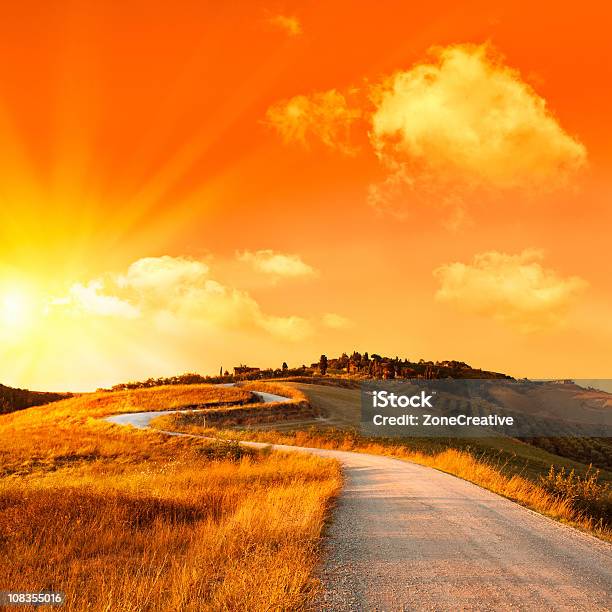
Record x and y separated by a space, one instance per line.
276 264
514 289
289 24
336 321
288 328
324 117
163 272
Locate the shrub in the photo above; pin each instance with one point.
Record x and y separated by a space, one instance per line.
585 493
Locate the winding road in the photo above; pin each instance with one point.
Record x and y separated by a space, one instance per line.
408 537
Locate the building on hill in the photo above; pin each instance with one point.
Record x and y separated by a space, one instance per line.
244 370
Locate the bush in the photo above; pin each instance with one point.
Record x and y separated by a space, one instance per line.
585 493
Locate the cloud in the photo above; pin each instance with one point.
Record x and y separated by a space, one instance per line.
290 25
292 328
178 293
463 122
514 289
161 273
324 117
336 321
276 264
463 125
88 299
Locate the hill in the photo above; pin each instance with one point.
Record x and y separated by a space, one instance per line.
353 368
17 399
153 522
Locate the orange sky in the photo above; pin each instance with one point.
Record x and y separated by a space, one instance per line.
204 137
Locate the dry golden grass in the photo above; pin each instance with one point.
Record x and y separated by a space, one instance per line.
173 396
487 474
275 388
130 520
100 404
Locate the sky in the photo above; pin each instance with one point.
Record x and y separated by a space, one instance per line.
193 185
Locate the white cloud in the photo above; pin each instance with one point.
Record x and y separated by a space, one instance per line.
87 298
467 121
178 290
462 124
276 264
514 289
163 272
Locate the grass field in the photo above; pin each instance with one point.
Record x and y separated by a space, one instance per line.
340 410
276 388
130 520
572 492
127 520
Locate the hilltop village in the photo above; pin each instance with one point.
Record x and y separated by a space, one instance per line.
356 366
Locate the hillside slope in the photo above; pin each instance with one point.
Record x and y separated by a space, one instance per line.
404 536
17 399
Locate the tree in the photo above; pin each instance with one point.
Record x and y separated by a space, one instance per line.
388 370
323 365
285 366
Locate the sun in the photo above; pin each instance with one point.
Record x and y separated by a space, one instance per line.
16 310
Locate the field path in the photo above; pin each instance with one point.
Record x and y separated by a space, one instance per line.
408 537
